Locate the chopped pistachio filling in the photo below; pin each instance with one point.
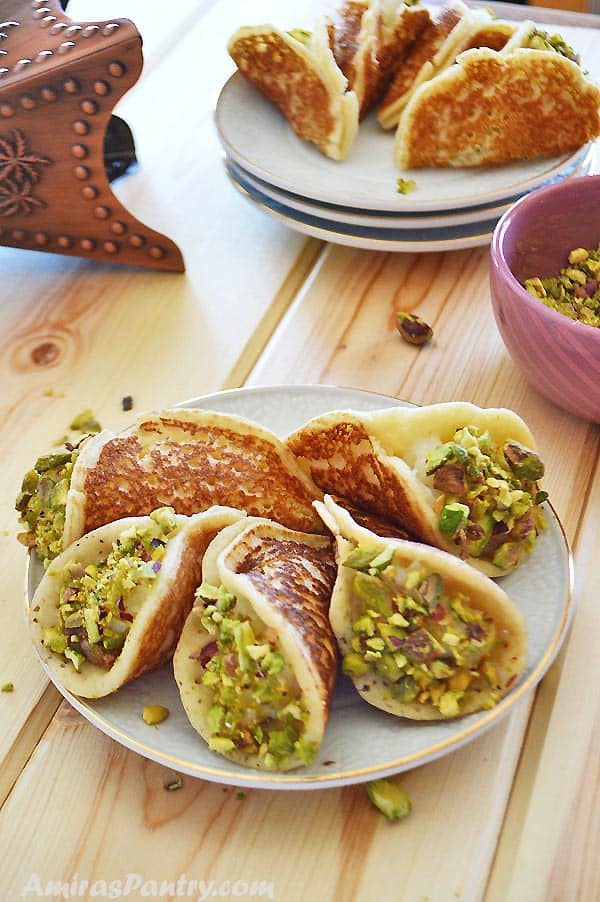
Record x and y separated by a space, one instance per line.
428 645
300 34
257 705
97 605
575 291
488 502
543 40
42 501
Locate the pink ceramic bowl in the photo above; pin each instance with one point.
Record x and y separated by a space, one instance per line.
560 356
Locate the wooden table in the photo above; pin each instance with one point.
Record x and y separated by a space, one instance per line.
513 815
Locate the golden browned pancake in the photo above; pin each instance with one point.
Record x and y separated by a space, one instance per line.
377 524
276 584
399 26
491 107
476 29
345 37
346 461
417 66
303 80
494 35
369 39
191 460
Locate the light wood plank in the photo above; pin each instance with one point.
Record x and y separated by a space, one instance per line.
552 835
42 711
211 834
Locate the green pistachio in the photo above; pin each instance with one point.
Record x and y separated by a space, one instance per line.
413 329
452 516
153 714
575 291
524 462
405 186
389 798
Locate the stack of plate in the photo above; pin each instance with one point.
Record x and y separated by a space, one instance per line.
356 201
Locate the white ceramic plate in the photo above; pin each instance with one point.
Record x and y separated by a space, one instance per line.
399 220
260 140
361 743
421 240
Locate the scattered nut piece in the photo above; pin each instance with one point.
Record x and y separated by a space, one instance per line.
153 714
405 186
413 329
7 687
85 422
389 799
172 785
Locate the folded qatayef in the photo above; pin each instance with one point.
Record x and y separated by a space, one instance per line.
257 660
422 634
112 605
369 39
296 71
419 63
454 475
529 99
189 459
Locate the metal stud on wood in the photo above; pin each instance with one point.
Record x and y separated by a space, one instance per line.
57 77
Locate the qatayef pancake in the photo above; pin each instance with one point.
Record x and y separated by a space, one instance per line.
418 64
476 29
257 660
492 107
113 604
422 634
369 39
188 459
454 475
298 73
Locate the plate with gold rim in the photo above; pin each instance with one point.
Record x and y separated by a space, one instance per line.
361 743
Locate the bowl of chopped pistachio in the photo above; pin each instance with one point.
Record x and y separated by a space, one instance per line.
545 289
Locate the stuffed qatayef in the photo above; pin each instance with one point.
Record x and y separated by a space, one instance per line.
527 100
188 459
457 476
369 39
297 72
257 660
422 634
112 605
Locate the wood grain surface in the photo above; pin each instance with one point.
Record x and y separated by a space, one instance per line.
513 815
